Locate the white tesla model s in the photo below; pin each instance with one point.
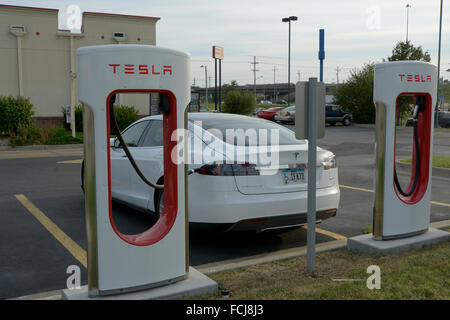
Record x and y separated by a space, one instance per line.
246 173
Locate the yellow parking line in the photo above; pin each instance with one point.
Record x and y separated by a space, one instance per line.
355 188
74 249
440 203
328 233
368 190
77 161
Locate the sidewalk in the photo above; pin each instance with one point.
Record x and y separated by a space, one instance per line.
41 151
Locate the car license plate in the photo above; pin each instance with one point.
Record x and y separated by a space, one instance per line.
293 176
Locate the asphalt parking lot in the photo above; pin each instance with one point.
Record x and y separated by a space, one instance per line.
42 227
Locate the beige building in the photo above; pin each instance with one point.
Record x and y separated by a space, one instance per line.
39 61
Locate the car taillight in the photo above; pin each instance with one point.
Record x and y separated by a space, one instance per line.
329 163
223 169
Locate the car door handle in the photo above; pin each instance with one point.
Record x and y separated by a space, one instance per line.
124 156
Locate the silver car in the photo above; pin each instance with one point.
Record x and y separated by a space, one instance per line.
285 115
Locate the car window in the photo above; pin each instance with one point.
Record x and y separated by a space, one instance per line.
132 135
222 124
328 108
336 108
154 136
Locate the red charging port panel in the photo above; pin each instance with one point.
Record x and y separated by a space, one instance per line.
167 219
424 134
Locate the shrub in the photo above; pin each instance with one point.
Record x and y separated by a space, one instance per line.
239 103
15 113
26 135
125 116
356 94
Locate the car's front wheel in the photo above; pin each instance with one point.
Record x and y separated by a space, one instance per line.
346 121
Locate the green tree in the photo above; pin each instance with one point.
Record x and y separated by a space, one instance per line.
405 50
356 94
239 102
226 88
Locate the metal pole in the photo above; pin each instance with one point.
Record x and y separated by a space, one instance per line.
407 20
439 66
274 70
289 64
254 75
220 85
72 90
206 83
312 160
215 85
20 65
321 70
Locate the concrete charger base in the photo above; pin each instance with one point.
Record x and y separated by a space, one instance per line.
366 244
196 283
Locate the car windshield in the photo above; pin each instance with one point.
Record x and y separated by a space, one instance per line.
243 130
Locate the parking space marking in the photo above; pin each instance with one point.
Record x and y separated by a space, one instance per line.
355 188
368 190
77 161
74 249
327 233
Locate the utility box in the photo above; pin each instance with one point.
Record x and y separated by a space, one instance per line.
304 98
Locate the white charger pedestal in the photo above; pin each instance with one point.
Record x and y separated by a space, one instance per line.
366 244
195 284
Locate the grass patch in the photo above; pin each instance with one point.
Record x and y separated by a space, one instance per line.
418 274
63 136
438 161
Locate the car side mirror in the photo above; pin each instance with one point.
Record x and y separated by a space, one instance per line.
117 143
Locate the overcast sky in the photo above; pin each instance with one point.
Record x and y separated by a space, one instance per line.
356 32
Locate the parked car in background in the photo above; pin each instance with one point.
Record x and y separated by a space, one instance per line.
285 115
269 114
444 119
266 102
255 200
283 102
334 114
255 112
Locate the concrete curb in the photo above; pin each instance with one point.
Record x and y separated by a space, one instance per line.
42 151
270 257
436 172
39 147
244 262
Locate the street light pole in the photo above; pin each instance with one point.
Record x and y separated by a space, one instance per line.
289 19
206 82
407 20
439 66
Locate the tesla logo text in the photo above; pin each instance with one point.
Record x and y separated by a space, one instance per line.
415 78
140 69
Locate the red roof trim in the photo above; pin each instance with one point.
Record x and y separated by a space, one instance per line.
121 15
23 7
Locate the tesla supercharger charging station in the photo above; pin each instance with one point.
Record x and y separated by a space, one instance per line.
118 262
402 213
